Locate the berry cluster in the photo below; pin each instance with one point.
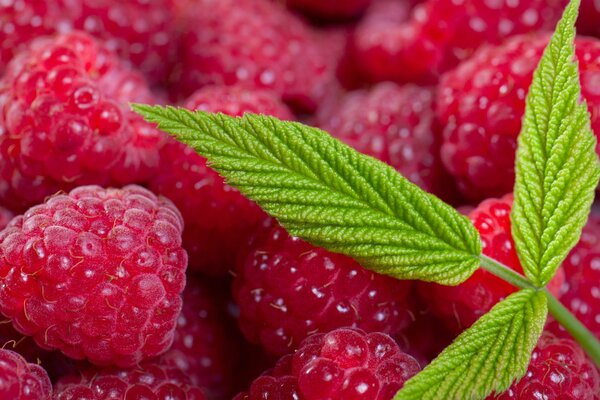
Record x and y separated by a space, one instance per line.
341 364
129 269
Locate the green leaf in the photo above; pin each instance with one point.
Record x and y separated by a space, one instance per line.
487 357
557 166
329 194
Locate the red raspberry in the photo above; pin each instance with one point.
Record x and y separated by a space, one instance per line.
55 363
108 267
330 9
581 291
288 289
460 306
481 104
204 347
559 369
342 364
217 217
20 380
237 100
141 31
256 43
147 381
441 33
396 125
65 121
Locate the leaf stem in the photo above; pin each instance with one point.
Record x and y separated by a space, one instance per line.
505 273
578 331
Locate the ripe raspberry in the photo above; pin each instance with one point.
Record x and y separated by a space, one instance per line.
141 31
65 121
55 363
481 104
146 381
329 9
396 125
559 369
20 380
217 217
204 347
581 291
441 33
255 43
460 306
342 364
237 100
96 273
288 289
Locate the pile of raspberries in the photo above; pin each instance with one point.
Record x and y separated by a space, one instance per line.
130 270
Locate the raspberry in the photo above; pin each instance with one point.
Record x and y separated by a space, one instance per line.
559 369
441 33
204 347
139 30
146 381
396 125
481 104
237 100
581 290
217 217
288 289
65 121
330 9
255 43
54 362
20 380
342 364
96 273
460 306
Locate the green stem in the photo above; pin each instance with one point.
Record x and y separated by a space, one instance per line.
505 273
578 331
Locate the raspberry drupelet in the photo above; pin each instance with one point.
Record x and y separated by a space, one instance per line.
344 364
217 217
20 380
140 31
288 289
255 43
460 306
441 33
559 369
148 381
96 273
65 121
481 104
